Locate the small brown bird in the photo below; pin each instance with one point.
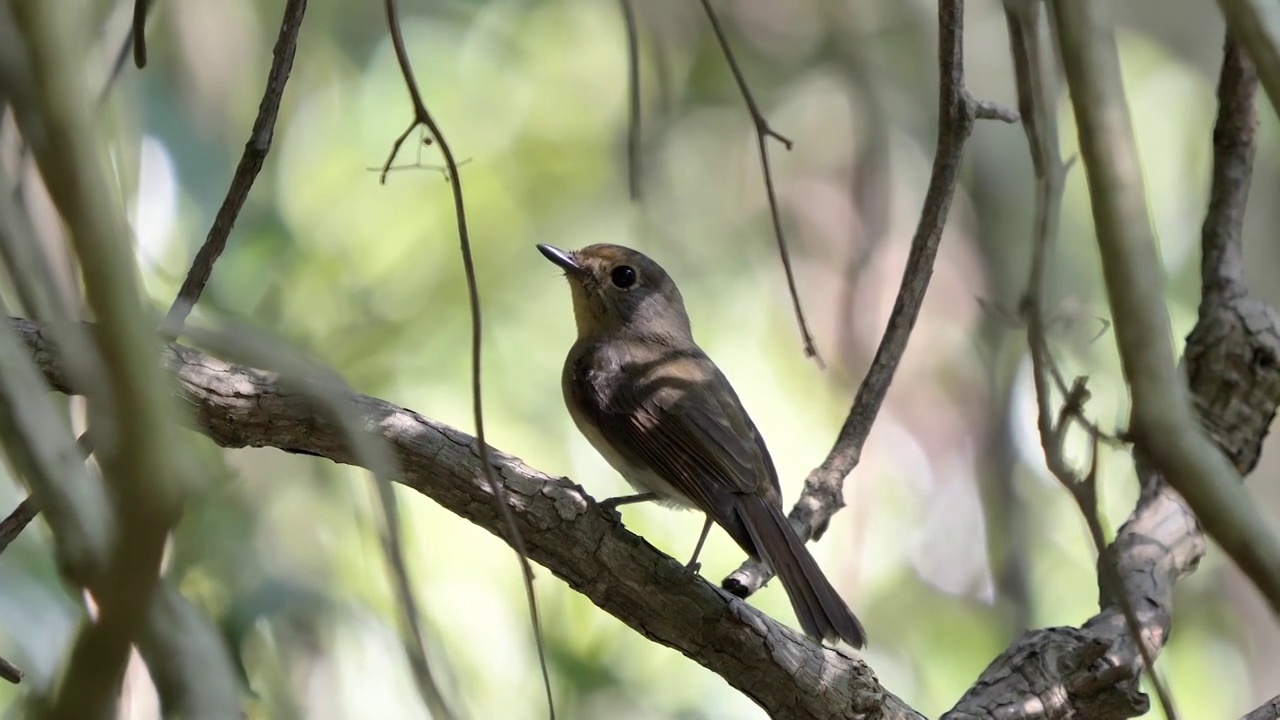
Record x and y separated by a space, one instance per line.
663 415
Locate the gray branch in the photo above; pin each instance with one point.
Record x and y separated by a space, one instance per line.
784 672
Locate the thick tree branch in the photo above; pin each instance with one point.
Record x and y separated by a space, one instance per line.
823 492
786 673
1162 424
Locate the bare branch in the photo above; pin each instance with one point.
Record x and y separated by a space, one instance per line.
421 116
129 44
988 110
1234 141
1162 424
11 672
255 153
139 32
10 528
763 133
1257 26
786 673
13 525
823 492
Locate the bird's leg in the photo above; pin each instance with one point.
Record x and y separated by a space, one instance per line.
694 565
610 506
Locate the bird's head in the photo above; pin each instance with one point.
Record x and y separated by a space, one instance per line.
617 290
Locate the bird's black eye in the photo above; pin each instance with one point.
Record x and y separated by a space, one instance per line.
623 276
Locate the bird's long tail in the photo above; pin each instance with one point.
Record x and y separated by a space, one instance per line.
823 615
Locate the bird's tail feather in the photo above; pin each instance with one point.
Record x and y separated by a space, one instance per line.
823 615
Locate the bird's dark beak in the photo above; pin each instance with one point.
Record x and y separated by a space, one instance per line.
563 258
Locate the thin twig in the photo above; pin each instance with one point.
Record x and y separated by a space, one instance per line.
763 133
18 520
395 149
140 9
421 116
10 672
633 101
823 490
13 525
255 153
415 645
126 48
424 140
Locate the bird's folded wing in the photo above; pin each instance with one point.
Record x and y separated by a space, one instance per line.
693 434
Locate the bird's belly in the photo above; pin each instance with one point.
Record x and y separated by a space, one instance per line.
641 478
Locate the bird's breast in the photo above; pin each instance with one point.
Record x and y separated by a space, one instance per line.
589 383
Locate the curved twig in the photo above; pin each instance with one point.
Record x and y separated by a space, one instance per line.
140 10
763 132
421 116
255 153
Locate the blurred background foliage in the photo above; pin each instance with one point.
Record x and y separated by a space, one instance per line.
955 537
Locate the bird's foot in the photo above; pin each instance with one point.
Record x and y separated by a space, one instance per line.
610 508
735 587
